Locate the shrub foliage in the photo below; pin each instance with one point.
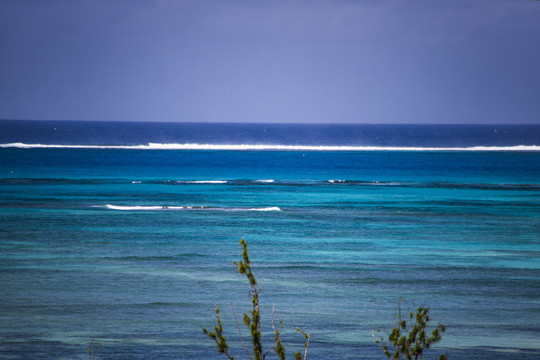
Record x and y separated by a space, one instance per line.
407 339
252 321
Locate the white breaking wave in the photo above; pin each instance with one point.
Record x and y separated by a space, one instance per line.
246 147
204 182
164 208
118 207
269 181
270 208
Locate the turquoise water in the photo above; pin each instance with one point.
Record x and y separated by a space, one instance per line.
132 248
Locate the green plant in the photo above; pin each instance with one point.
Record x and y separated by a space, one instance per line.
91 350
409 342
252 321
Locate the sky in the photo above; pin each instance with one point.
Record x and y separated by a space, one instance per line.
294 61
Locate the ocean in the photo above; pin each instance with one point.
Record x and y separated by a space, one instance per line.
123 235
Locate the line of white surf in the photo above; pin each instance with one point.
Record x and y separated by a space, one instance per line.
195 208
203 182
261 147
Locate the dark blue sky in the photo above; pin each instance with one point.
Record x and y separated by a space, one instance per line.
318 61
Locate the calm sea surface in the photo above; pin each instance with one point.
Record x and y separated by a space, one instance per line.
125 234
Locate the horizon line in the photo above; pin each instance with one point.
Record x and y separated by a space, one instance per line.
273 123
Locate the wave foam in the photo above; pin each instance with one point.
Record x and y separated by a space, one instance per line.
203 182
261 147
118 207
270 208
165 208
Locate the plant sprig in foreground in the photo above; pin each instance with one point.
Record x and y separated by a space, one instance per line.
407 340
252 321
410 340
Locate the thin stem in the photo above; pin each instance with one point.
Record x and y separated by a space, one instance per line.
240 333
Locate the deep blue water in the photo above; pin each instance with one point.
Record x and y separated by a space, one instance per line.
132 133
131 248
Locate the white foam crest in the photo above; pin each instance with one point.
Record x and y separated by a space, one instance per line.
270 208
147 207
164 208
260 147
266 181
130 208
204 182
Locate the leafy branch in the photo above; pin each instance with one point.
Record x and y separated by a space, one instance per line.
252 321
91 350
407 340
410 342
